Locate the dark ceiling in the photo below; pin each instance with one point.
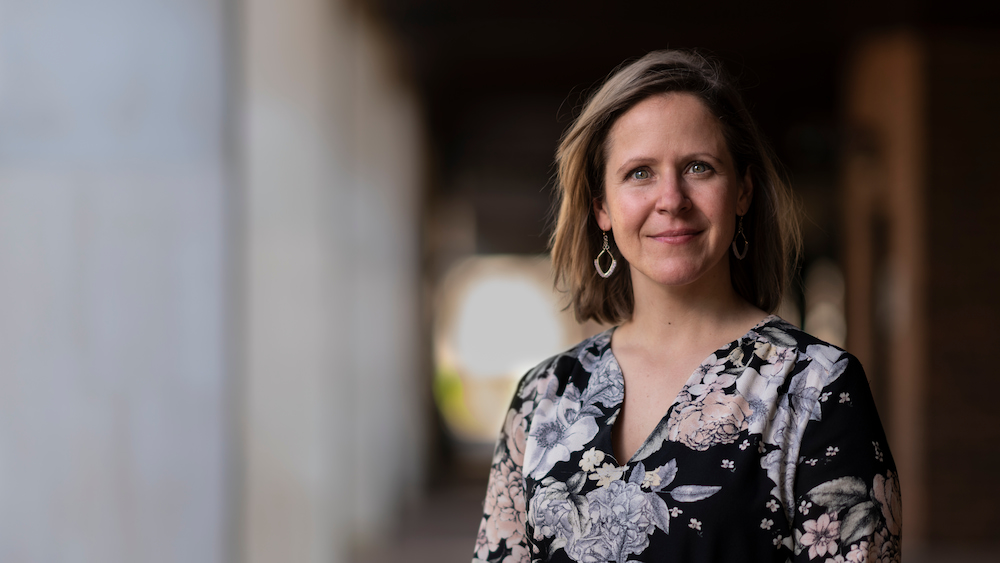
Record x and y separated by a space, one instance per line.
500 81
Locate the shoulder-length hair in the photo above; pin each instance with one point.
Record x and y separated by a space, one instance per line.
771 224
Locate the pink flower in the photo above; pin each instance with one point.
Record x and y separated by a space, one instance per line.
859 552
821 535
715 418
519 554
517 429
887 494
504 507
886 547
482 544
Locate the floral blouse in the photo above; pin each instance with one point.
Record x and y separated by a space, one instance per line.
772 451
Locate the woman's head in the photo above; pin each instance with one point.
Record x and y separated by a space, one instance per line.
769 222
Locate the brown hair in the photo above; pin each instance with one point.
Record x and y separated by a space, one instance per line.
771 224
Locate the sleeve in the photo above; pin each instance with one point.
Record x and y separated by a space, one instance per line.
502 534
847 489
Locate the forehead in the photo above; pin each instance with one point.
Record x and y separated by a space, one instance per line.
676 121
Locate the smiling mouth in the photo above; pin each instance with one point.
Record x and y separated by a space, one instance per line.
676 236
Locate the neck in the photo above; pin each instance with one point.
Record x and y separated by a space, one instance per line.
710 309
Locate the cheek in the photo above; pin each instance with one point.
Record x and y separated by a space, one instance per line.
722 205
628 213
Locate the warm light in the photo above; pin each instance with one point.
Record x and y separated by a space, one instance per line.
497 316
506 324
824 296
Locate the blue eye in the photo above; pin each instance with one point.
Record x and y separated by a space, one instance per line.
639 174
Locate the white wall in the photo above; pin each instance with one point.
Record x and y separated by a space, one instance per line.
209 345
390 386
113 249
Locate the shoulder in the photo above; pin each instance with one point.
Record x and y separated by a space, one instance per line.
812 358
825 386
550 377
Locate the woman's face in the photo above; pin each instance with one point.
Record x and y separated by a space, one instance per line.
672 192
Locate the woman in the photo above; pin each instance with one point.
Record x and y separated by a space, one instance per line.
702 427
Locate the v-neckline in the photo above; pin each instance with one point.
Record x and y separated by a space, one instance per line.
690 381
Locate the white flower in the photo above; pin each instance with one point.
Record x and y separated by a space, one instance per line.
824 397
728 464
712 379
777 540
675 512
829 358
845 397
606 474
766 523
555 432
759 391
832 451
591 458
621 521
695 524
804 507
745 444
606 386
772 505
651 479
777 359
811 462
549 511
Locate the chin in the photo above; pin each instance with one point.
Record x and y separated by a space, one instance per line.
673 277
679 273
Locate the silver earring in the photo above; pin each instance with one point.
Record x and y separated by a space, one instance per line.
746 243
597 261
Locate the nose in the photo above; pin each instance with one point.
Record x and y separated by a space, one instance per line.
672 197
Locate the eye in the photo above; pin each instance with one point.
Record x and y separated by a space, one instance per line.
700 167
639 174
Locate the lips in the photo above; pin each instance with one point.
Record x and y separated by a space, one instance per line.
676 236
677 233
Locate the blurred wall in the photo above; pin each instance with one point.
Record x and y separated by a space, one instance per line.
885 186
333 428
963 302
921 190
210 344
114 190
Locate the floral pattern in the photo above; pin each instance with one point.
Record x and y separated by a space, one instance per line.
821 535
713 419
754 453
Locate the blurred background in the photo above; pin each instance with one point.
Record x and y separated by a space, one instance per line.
270 269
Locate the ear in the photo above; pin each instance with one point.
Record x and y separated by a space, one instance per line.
745 195
601 213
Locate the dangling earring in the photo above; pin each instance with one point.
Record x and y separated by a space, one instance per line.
597 261
746 243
